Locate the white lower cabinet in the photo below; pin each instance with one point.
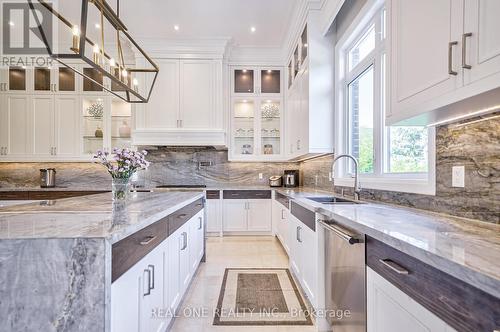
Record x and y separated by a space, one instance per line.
391 310
247 215
280 224
138 293
214 216
145 297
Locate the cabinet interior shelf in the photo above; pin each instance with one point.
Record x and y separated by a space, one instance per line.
93 138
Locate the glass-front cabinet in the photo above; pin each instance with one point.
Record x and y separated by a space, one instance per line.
256 81
106 124
256 126
298 59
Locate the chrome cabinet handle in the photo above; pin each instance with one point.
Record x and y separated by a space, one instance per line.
282 213
464 50
147 240
182 216
148 292
201 224
152 267
394 266
298 234
341 233
184 240
450 58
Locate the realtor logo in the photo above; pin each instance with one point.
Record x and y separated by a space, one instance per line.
23 23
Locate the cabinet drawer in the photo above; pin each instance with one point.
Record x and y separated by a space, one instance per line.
284 200
247 194
14 195
213 194
181 216
307 217
130 250
459 304
37 195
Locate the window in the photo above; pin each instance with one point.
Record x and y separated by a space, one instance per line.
390 157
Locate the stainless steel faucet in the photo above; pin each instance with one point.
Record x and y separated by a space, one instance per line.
357 188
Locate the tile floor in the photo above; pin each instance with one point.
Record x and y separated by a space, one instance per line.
248 251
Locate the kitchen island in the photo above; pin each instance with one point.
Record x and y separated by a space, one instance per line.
58 258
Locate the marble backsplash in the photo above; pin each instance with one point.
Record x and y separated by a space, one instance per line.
169 166
475 146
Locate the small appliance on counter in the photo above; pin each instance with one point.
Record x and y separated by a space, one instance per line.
47 177
276 181
291 178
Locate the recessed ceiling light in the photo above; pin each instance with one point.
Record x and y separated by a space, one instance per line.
253 29
269 71
11 23
244 70
176 27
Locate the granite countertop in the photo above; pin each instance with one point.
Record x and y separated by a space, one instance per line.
90 216
465 248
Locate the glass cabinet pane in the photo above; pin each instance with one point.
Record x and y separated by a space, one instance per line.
270 81
244 111
17 79
290 74
296 61
304 44
93 115
270 126
243 81
121 122
66 79
89 85
42 79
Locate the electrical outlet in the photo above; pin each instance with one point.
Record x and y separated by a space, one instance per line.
261 176
458 176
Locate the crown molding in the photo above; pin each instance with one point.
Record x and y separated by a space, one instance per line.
186 48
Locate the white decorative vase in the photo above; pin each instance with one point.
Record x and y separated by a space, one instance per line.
124 130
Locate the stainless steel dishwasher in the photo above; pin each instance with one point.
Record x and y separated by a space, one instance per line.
345 287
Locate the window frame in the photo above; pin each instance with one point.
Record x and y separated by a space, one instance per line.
373 13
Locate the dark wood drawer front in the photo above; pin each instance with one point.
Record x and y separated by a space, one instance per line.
247 194
285 201
36 195
213 194
306 216
179 218
133 248
459 304
14 195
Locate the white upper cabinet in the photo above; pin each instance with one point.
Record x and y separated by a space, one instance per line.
43 125
67 126
14 129
162 110
454 55
481 39
185 107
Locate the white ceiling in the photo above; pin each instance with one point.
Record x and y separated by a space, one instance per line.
155 19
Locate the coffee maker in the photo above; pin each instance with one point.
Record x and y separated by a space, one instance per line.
291 178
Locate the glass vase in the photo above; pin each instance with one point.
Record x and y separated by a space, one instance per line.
120 188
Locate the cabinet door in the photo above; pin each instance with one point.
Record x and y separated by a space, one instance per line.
126 292
292 118
419 52
243 127
284 216
43 125
16 113
67 125
196 250
303 112
153 290
174 245
270 81
214 215
259 215
17 80
197 82
276 216
309 262
271 129
483 45
244 81
391 310
184 258
293 240
162 110
235 215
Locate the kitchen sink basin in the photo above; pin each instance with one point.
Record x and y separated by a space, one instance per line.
332 200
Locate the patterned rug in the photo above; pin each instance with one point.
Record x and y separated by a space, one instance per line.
260 297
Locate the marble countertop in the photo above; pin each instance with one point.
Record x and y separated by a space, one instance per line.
90 216
465 248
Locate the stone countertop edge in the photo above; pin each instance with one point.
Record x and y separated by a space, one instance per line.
488 282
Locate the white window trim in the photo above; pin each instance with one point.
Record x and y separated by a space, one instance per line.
419 183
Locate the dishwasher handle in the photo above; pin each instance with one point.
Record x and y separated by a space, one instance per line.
351 239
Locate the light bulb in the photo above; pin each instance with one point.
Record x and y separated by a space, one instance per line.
76 30
112 62
135 82
269 71
124 73
176 27
253 29
96 48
